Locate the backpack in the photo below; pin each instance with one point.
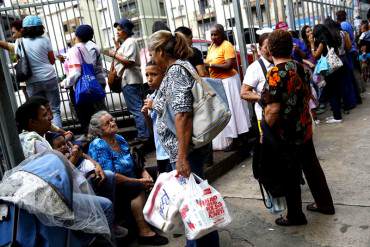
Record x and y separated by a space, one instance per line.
211 111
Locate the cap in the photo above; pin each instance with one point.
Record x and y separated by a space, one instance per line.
282 26
126 25
85 32
31 21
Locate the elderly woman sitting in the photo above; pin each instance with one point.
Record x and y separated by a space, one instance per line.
113 153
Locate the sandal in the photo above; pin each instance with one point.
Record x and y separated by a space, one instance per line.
313 207
286 222
155 240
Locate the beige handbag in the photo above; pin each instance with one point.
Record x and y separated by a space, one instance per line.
211 112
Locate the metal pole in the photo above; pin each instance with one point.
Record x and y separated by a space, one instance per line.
290 12
5 61
240 33
11 148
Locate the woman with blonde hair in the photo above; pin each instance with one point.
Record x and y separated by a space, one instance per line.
171 51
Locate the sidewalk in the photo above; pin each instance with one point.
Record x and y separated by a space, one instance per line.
344 152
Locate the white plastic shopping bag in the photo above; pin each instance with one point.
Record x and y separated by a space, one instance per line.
203 209
162 207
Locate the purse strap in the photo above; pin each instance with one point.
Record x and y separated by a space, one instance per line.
81 55
24 52
263 196
197 78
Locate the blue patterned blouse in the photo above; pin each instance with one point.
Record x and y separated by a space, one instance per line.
117 162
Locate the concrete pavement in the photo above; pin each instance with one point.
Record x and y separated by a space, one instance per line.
344 152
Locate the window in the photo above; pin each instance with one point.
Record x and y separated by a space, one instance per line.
231 22
128 8
203 5
65 28
206 24
137 30
227 1
162 9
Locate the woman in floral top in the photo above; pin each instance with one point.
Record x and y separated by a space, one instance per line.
287 115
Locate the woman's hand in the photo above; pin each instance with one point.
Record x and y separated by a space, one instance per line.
145 174
100 175
148 183
183 167
116 43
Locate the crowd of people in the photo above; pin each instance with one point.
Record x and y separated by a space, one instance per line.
281 84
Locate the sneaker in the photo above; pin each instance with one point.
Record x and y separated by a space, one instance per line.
317 122
329 118
330 121
119 231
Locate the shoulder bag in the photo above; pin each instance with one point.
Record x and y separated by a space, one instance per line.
211 112
88 89
333 60
114 80
22 68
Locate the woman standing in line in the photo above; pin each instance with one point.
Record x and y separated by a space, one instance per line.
170 51
43 81
78 54
220 63
287 121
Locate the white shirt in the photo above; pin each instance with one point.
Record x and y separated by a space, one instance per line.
129 49
37 50
255 78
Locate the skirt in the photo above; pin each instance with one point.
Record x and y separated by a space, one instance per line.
240 120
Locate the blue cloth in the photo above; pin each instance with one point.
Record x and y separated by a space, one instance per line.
302 46
44 167
159 150
346 26
117 162
364 57
31 21
87 89
134 101
85 32
49 90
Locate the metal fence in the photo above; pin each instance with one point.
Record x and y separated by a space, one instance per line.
241 18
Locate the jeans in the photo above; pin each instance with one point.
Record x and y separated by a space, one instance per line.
82 201
196 159
49 90
108 188
134 101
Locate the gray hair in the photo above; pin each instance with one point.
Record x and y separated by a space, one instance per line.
95 124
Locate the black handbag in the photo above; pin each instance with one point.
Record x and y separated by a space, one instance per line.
23 67
268 166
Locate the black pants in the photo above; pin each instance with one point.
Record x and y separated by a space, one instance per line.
84 112
334 92
307 161
125 193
